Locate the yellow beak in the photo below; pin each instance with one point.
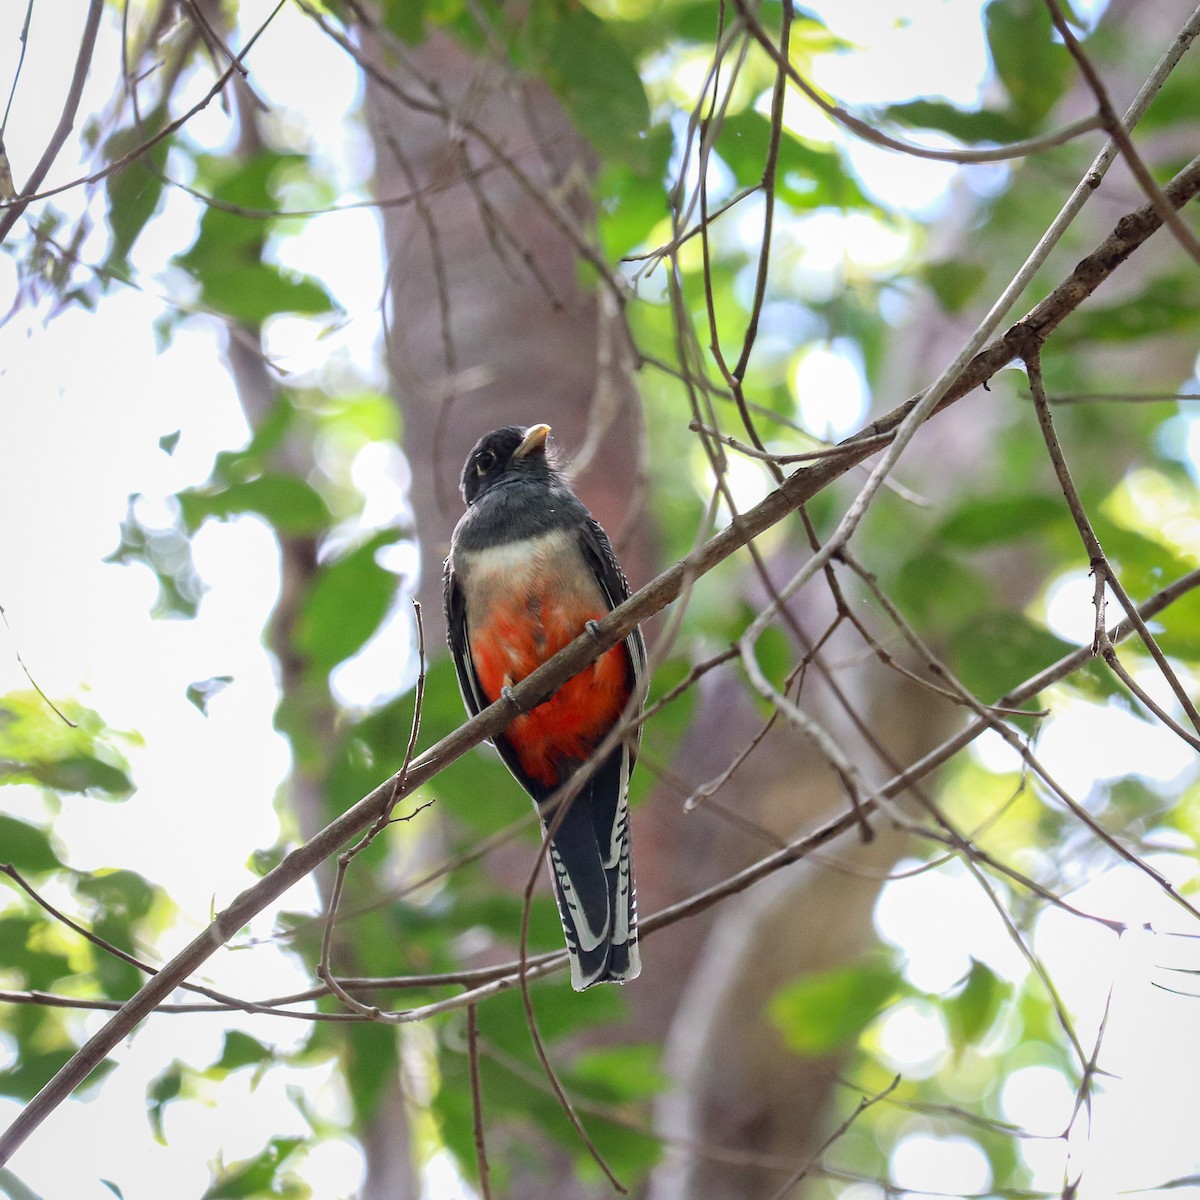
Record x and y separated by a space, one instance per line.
535 439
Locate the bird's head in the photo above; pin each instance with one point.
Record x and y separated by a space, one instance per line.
508 453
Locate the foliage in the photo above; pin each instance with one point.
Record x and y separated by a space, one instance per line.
972 568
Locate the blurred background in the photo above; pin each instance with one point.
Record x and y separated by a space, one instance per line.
287 264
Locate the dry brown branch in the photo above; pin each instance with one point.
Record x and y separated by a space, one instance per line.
66 121
481 1160
11 210
1131 232
864 1103
1115 129
324 972
484 981
868 132
1083 1095
1103 572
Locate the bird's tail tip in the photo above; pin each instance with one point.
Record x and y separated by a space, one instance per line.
622 964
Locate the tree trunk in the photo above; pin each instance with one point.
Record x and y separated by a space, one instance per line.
489 326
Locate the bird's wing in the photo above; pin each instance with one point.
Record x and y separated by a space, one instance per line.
455 607
458 637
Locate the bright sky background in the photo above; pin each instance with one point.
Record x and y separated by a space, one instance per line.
83 402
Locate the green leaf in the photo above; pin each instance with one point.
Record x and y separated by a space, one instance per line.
162 1090
806 177
203 690
123 898
619 1074
251 292
134 191
258 1177
82 773
980 125
955 282
631 201
596 79
346 604
630 1153
824 1011
996 651
406 19
288 503
1175 103
986 520
167 552
21 951
240 1050
972 1012
1034 68
775 658
37 746
121 892
371 1062
934 589
226 259
263 861
36 1068
26 847
1164 305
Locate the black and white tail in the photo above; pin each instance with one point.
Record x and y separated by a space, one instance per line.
593 878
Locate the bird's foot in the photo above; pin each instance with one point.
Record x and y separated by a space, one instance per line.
506 693
593 628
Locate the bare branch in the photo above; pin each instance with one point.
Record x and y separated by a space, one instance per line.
869 133
66 122
1103 571
801 486
481 1160
1116 130
864 1103
11 210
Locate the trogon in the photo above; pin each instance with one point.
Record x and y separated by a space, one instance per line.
529 568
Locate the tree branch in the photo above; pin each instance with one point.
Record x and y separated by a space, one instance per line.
800 487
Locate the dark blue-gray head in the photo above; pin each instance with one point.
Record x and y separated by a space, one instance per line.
503 454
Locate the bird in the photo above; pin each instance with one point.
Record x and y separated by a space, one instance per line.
529 570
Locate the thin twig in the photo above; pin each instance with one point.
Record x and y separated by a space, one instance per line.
869 133
1083 1096
24 39
58 712
864 1103
538 686
1115 129
481 1160
66 121
10 211
1102 569
324 972
221 1000
488 981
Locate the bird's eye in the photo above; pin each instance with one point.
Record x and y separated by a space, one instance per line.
484 462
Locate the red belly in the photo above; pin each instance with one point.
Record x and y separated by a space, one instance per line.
517 636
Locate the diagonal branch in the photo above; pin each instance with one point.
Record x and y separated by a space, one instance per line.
66 122
1115 129
486 981
1105 576
796 490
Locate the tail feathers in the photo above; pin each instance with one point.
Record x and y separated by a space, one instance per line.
593 884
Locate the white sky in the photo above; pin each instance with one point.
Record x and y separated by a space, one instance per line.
83 402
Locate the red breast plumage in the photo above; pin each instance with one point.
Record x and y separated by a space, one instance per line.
528 569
